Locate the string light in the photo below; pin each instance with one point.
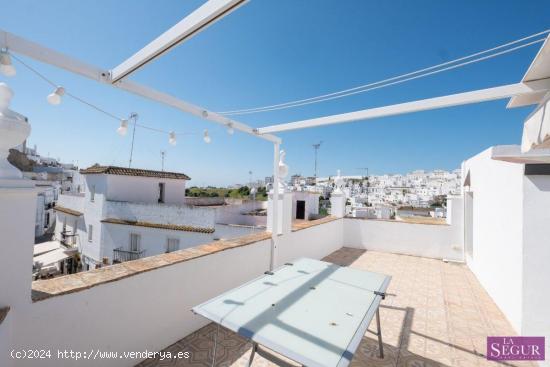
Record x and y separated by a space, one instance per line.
54 98
6 66
123 129
206 137
172 138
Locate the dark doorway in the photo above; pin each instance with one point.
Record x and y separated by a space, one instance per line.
161 192
300 209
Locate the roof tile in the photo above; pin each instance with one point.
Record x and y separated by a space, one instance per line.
124 171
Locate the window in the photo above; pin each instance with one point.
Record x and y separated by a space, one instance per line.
92 193
90 232
135 240
172 244
64 224
161 192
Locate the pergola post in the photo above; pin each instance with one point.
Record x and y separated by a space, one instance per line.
275 208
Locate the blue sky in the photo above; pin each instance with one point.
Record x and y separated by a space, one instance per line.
270 52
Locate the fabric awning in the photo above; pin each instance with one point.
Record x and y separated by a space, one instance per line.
51 258
42 248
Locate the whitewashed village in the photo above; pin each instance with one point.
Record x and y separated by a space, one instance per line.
88 218
423 268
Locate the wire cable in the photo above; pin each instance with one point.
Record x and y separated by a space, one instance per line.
385 82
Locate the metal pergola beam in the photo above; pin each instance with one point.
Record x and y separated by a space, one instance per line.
197 21
46 55
477 96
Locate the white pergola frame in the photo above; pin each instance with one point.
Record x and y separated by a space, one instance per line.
526 92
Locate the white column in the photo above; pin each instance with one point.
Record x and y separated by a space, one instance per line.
274 220
17 217
338 198
338 205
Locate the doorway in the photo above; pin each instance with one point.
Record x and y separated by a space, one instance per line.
300 209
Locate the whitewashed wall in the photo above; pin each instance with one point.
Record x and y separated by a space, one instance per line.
143 189
17 216
75 202
152 310
161 213
315 242
427 240
6 332
311 203
497 189
536 255
236 213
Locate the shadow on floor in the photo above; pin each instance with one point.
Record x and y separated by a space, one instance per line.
344 256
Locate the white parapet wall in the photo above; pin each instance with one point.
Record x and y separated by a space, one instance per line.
439 241
203 217
151 310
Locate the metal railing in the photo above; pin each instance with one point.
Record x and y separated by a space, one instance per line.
121 255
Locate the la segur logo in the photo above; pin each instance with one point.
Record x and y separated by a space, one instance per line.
515 348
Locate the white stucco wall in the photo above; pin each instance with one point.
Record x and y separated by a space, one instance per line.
311 203
161 213
144 189
153 240
427 240
17 221
6 332
117 316
315 242
497 234
236 213
75 202
536 254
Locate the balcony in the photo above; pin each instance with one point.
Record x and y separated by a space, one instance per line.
121 255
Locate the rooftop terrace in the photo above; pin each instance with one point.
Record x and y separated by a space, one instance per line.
436 314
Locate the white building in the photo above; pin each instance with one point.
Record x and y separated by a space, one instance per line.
128 213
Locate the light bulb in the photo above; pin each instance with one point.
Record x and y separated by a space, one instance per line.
230 129
55 97
6 67
172 138
123 129
207 138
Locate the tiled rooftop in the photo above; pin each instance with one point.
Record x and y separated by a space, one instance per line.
174 227
435 314
62 209
124 171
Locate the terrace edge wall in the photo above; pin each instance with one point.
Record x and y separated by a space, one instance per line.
438 241
151 310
